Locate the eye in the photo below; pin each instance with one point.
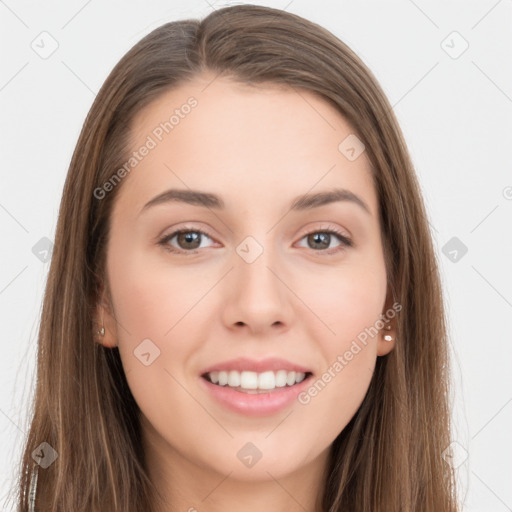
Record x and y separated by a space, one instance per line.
190 240
189 237
321 239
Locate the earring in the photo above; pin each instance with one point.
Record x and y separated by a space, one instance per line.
101 332
33 489
388 337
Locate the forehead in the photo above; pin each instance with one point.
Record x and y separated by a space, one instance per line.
264 142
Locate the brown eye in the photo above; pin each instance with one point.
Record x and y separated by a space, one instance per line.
321 240
187 240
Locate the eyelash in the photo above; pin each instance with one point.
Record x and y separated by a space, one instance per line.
346 242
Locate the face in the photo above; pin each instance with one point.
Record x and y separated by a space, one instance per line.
256 286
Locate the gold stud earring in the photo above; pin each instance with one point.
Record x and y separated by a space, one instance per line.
388 337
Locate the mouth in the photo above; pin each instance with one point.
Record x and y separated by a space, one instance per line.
256 382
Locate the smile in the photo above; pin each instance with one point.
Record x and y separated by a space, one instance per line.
254 382
252 400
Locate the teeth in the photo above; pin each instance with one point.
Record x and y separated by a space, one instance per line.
253 380
267 380
223 378
233 379
281 377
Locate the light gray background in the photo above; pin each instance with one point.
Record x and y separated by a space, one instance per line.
456 114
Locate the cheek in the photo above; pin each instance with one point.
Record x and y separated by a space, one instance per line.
150 298
346 301
157 311
333 397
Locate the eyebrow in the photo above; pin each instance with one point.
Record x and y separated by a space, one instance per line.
300 203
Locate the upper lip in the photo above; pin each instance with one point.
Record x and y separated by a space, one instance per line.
245 364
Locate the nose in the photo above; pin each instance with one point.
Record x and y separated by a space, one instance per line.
257 298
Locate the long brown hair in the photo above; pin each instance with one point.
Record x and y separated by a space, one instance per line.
389 457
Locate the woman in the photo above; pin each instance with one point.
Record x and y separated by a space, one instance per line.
296 361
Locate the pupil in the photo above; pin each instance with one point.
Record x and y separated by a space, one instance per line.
189 237
325 237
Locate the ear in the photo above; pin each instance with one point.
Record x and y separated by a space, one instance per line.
104 317
387 335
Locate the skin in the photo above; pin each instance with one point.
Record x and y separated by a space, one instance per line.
258 148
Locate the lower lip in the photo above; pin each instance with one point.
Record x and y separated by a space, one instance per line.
257 404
